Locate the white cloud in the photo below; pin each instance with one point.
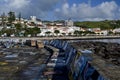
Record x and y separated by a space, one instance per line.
105 10
18 3
13 4
37 8
41 8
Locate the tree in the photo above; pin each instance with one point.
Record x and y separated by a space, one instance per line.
11 17
32 31
36 31
57 32
3 19
70 34
88 32
63 34
18 27
8 31
110 33
19 16
48 33
76 32
28 31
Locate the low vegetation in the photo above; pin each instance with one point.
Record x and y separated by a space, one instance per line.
107 24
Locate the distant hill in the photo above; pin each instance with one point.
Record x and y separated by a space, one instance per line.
99 24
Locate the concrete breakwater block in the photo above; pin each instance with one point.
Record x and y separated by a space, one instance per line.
31 43
35 43
40 44
73 64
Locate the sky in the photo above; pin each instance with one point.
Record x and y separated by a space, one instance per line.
78 10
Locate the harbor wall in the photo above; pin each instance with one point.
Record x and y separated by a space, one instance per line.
78 67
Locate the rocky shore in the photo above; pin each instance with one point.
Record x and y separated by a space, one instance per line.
105 57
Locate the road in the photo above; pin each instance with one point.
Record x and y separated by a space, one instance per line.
64 38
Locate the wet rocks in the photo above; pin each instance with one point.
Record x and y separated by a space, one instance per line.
109 51
106 57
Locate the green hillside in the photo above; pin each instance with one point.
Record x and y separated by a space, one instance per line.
99 24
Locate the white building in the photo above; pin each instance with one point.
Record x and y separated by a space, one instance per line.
69 23
104 32
33 22
33 18
117 30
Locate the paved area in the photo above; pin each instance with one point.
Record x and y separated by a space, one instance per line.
19 63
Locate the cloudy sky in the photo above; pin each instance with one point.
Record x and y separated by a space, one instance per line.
82 10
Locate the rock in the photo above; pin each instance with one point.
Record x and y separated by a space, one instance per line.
102 49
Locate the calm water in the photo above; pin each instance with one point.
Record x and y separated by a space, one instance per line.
101 40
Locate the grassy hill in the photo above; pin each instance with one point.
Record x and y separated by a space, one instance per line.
99 24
